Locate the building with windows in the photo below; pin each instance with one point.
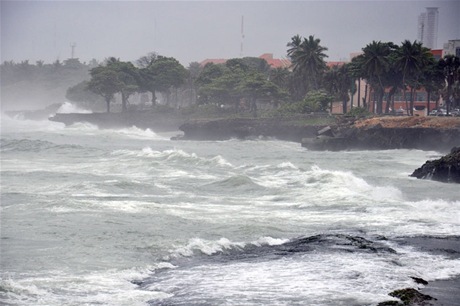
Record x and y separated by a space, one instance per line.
428 28
452 47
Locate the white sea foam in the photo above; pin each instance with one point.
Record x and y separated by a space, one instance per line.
205 246
18 124
138 133
112 287
69 108
313 278
175 156
210 247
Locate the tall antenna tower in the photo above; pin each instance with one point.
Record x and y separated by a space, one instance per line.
242 36
72 46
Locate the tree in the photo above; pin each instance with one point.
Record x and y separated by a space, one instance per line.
316 100
81 93
208 74
255 86
373 65
104 82
433 81
411 59
161 74
308 61
147 60
338 82
450 65
128 79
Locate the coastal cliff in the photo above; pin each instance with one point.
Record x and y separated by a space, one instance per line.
380 133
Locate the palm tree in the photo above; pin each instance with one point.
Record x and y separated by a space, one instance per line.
451 68
432 80
411 59
373 65
307 57
339 83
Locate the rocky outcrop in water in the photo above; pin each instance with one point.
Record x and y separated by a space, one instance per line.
445 169
408 296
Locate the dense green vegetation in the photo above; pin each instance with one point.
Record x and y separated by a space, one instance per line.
249 86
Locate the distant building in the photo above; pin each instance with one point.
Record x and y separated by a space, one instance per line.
437 53
275 62
268 57
452 47
213 60
428 28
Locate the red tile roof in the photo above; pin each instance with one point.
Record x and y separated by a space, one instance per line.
273 62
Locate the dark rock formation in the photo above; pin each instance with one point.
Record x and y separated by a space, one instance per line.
445 169
379 138
408 296
243 128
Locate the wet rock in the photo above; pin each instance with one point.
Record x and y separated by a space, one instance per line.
409 297
419 280
445 169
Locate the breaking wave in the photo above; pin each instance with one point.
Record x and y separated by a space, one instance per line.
69 108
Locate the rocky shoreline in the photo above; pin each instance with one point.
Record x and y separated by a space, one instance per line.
433 293
378 133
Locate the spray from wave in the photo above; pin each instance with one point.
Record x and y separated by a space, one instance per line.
69 108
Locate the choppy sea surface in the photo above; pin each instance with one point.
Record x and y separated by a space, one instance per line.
129 217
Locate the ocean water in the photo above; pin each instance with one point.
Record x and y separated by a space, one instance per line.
129 217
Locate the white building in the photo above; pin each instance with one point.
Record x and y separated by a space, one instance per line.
452 47
428 27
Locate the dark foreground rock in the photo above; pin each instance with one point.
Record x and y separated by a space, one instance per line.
408 296
445 169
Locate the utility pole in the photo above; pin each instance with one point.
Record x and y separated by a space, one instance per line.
72 46
242 36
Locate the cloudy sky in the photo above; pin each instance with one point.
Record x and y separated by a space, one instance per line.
196 30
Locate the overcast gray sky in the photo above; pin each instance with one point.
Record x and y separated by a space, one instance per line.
196 30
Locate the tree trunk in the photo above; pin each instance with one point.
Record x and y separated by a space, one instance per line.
107 101
359 92
365 97
344 105
412 92
154 98
124 99
387 106
428 97
380 96
393 104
